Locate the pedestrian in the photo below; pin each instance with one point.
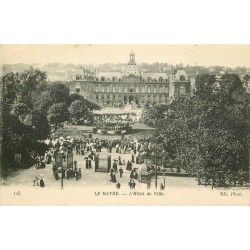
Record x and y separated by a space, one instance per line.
90 166
75 164
56 175
115 166
54 168
35 181
130 184
42 182
119 160
135 151
118 185
133 184
82 151
133 159
76 175
121 172
112 176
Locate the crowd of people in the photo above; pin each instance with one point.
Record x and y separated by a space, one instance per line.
89 148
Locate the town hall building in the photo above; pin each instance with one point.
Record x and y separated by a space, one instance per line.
134 86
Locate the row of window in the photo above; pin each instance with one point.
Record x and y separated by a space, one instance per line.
126 89
119 97
148 79
143 101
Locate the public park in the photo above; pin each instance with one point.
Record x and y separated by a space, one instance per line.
55 134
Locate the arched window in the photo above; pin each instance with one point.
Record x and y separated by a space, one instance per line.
102 78
114 79
182 90
160 79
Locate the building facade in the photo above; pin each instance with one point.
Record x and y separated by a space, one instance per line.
130 87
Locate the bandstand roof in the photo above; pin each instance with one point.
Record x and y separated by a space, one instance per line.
111 111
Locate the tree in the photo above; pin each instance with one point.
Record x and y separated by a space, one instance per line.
11 83
58 113
16 139
20 110
23 124
39 122
30 79
74 97
207 134
43 102
58 92
80 112
153 114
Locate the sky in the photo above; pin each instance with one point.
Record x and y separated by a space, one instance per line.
203 55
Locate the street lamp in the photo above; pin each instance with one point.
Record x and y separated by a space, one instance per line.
164 180
155 165
62 169
59 164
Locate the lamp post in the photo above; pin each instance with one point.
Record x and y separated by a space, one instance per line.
155 165
62 169
164 180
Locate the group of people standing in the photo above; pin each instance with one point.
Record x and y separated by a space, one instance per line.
114 170
38 181
91 147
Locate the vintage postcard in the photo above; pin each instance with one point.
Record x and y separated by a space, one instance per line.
125 125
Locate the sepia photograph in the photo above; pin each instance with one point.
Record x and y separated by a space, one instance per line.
125 125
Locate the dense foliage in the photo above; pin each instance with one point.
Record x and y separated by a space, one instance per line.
79 112
207 134
30 107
